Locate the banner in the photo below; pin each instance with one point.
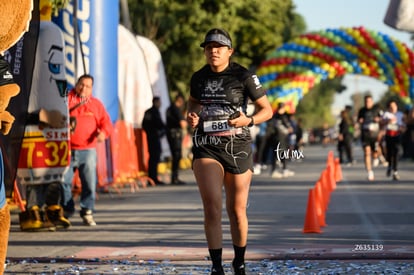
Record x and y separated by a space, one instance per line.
155 71
90 30
134 86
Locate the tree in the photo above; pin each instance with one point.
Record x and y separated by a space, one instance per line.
178 27
389 95
358 100
314 109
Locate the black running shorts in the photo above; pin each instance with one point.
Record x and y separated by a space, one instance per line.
234 154
368 140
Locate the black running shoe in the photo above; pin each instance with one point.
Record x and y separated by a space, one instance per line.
239 269
389 172
217 271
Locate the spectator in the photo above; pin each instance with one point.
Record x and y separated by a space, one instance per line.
408 135
299 135
263 142
155 129
292 138
283 128
176 123
325 134
345 137
92 125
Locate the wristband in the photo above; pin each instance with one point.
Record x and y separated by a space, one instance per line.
251 122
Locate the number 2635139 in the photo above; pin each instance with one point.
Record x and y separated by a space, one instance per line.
368 247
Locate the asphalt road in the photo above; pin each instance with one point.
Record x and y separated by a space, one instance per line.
366 221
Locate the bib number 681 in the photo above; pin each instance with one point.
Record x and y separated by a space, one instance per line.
216 126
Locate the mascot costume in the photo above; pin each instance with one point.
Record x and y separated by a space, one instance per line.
14 22
44 154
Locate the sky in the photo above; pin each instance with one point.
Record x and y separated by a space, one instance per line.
323 14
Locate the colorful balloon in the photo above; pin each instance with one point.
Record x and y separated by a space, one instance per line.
290 71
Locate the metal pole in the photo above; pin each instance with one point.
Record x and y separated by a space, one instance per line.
75 36
126 20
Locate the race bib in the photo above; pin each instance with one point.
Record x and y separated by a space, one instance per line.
392 127
216 126
220 128
374 127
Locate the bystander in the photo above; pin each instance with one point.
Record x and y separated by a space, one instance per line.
93 125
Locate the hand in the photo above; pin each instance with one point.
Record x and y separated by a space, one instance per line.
6 122
101 136
6 93
53 118
240 121
193 119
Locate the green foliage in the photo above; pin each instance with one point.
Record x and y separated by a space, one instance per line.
402 106
315 107
358 100
58 5
178 27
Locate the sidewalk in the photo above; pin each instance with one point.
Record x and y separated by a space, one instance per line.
159 230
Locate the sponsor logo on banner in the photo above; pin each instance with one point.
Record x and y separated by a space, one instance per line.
76 53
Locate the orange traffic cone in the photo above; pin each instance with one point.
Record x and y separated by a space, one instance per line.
326 187
320 203
311 219
338 170
330 176
330 158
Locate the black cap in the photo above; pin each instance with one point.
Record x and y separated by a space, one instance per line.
217 35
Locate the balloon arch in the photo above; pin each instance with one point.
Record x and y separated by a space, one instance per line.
293 69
